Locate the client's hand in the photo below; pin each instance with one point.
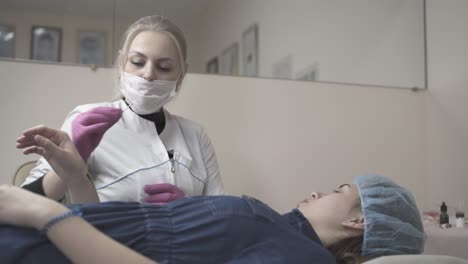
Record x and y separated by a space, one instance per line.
23 208
89 127
162 193
56 147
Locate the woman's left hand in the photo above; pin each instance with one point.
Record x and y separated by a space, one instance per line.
162 193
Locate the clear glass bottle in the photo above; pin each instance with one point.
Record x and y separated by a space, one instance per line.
460 219
460 214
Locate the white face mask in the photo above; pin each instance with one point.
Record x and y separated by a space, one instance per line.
146 97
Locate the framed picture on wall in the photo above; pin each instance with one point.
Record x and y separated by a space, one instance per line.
91 47
311 73
7 41
229 60
212 66
46 43
250 51
283 68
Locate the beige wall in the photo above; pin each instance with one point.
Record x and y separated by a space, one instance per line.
279 140
33 94
447 102
276 140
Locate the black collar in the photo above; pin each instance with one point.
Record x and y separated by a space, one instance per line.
297 220
158 118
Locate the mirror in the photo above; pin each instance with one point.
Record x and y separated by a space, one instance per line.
361 41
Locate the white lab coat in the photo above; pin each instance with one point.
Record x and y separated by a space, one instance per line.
131 155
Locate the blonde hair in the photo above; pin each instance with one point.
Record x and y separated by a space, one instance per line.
155 23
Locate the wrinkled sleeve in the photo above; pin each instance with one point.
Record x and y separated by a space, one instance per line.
279 252
214 183
263 252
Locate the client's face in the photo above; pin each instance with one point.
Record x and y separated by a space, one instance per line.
331 210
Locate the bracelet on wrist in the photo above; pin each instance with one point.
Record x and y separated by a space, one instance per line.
75 212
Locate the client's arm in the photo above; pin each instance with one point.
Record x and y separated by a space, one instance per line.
70 171
53 186
73 236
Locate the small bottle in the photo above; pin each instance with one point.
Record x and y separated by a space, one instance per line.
460 219
460 213
444 218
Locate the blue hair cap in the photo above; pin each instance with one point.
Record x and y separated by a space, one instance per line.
393 223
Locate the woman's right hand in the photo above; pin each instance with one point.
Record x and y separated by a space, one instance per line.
20 207
57 148
89 127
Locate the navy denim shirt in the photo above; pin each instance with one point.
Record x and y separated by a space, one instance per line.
205 229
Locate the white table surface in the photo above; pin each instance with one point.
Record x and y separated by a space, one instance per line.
450 241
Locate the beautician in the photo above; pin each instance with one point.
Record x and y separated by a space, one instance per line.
134 148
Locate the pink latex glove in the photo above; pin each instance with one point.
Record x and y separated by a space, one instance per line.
162 193
89 127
